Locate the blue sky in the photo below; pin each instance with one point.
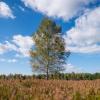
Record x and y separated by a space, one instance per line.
80 22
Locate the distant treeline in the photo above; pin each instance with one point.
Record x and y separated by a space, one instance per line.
62 76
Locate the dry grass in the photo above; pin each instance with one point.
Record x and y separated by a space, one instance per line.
36 89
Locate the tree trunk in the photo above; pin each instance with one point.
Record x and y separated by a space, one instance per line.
47 74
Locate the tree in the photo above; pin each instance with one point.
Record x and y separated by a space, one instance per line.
49 54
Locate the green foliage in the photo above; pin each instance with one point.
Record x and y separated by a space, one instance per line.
49 53
63 76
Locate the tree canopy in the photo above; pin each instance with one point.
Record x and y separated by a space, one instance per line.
49 54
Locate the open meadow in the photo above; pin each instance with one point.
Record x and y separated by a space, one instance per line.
39 89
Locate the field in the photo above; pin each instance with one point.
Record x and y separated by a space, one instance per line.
39 89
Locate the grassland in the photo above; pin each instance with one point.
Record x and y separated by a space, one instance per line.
35 89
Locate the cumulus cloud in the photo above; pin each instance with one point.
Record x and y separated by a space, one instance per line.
23 43
85 36
2 48
20 44
5 11
65 9
7 46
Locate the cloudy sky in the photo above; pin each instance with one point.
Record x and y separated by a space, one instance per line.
80 22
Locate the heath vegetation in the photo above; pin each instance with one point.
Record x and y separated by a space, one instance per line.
40 89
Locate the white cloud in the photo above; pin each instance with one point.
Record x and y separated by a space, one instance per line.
2 48
5 11
69 68
20 44
85 36
7 46
65 9
12 60
23 43
8 60
21 8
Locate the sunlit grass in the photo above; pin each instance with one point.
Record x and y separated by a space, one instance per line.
28 89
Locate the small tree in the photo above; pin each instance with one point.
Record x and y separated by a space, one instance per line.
49 53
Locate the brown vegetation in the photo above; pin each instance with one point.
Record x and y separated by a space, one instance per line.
28 89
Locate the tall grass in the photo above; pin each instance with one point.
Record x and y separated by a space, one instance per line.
28 89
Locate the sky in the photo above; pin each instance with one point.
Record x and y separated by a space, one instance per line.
80 22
